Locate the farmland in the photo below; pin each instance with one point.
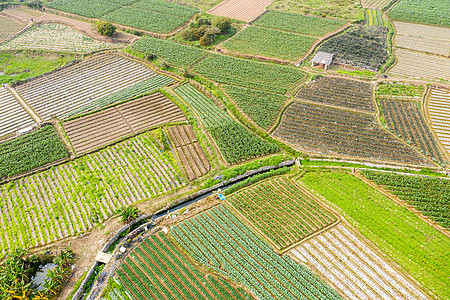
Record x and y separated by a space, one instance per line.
255 75
339 92
363 47
405 119
86 8
353 267
245 11
106 126
424 38
433 12
374 4
90 80
312 26
56 37
270 43
8 28
221 242
429 195
155 269
191 154
439 112
413 244
74 197
171 52
234 141
267 204
399 90
30 151
261 107
12 114
329 131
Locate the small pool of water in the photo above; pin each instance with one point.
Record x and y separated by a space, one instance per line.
41 276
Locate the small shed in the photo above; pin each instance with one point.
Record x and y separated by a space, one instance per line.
322 58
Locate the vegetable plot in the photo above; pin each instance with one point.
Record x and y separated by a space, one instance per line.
267 205
429 195
30 151
433 12
155 269
221 242
235 142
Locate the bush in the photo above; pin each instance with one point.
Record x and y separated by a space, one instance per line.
188 34
199 32
106 28
223 24
205 40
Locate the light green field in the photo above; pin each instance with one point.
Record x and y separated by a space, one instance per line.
417 247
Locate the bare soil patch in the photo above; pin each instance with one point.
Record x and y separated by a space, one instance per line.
244 10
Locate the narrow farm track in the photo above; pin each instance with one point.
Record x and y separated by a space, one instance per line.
90 80
102 128
190 152
353 267
74 197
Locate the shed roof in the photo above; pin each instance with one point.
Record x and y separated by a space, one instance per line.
323 58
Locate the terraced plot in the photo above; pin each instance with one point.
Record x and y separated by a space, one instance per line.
54 95
266 206
155 269
421 65
12 115
56 37
353 268
8 27
329 131
439 111
102 128
246 10
433 12
191 153
429 195
223 243
74 197
424 38
405 119
339 92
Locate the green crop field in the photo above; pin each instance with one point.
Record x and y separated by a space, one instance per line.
30 151
235 142
245 73
74 197
429 195
171 52
270 43
220 241
261 107
86 8
399 89
155 269
418 248
267 204
433 12
297 23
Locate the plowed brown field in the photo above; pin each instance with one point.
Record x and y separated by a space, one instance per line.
244 10
191 153
102 128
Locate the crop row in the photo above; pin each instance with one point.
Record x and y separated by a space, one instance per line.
73 197
177 54
353 267
86 8
158 270
267 205
246 73
272 43
439 110
12 114
433 12
220 241
406 121
235 142
363 46
429 195
340 92
332 131
31 151
298 23
399 89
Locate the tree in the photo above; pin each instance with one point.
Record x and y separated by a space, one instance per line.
106 28
223 24
128 214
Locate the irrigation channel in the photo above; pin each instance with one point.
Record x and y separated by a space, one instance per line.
99 283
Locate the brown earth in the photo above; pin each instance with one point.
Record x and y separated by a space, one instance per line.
244 10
